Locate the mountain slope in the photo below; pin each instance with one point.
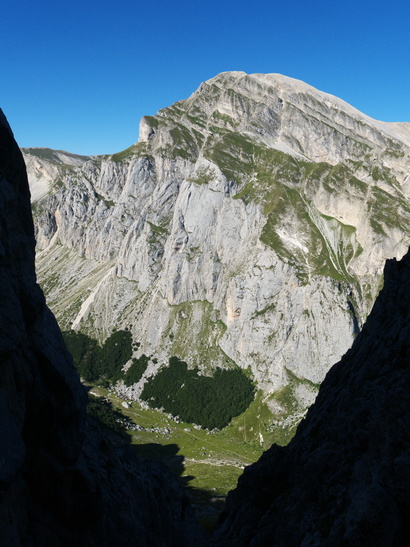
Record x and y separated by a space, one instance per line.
249 226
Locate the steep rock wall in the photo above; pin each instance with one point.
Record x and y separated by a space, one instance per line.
344 478
256 214
61 480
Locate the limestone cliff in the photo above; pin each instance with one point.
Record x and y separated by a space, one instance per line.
345 477
248 225
61 481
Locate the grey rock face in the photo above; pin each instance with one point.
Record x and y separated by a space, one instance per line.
61 481
250 223
344 478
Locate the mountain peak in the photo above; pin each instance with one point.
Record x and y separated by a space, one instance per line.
248 227
280 113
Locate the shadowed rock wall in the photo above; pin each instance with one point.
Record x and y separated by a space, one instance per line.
345 477
61 481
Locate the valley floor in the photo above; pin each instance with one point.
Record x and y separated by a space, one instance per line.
208 463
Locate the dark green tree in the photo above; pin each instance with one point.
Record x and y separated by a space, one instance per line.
115 352
86 354
210 401
94 362
136 370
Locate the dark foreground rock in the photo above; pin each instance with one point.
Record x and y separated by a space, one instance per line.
344 480
61 481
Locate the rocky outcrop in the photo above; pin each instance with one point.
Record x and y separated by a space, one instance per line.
62 482
344 478
249 224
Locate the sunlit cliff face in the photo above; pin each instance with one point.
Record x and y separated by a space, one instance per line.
251 222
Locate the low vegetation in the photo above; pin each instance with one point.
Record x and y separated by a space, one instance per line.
211 401
136 370
205 428
101 409
94 362
209 463
236 425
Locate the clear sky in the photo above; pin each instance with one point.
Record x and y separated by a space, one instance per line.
79 75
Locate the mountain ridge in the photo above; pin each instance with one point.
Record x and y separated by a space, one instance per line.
290 87
267 259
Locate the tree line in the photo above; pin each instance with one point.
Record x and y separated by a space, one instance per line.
209 401
94 362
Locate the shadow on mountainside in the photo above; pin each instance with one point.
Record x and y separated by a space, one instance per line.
207 504
167 454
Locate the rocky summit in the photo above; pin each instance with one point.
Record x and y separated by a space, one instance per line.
247 227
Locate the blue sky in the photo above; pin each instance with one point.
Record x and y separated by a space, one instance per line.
78 76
